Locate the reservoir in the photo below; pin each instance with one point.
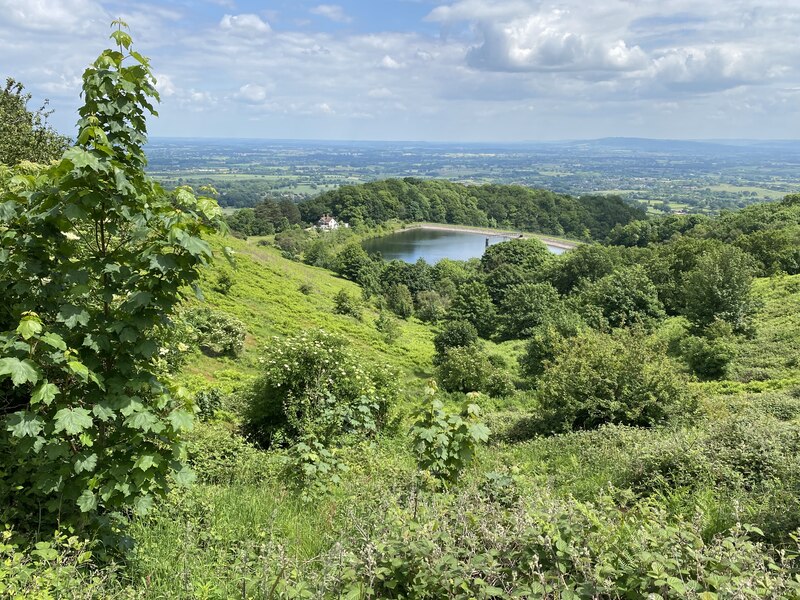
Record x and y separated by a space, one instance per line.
433 245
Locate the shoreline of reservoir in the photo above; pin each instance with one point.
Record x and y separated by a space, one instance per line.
550 241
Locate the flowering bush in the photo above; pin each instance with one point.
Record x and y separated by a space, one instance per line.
312 385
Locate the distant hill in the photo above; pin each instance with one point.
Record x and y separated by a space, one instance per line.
439 201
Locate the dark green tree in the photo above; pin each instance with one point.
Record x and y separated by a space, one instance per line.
472 303
24 133
719 289
625 297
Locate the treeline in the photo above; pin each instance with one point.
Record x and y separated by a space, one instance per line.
268 217
769 233
440 201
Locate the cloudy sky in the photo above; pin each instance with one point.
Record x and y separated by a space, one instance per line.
461 70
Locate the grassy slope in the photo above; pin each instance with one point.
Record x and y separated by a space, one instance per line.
266 296
216 539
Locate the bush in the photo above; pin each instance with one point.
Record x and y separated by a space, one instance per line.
444 443
399 301
311 385
388 326
219 455
217 333
600 378
345 304
625 297
455 334
467 369
208 402
224 283
431 307
526 306
709 356
547 340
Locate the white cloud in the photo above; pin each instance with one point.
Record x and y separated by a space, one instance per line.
541 43
58 16
380 93
165 85
251 92
245 23
334 12
387 62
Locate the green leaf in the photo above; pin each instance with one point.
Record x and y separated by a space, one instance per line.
145 461
29 326
87 501
184 475
85 463
81 158
54 341
143 504
80 369
20 371
45 393
72 420
71 316
181 420
24 424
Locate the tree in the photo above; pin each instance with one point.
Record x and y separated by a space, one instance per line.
585 263
719 289
529 254
526 306
625 297
472 303
455 334
468 369
431 307
399 300
600 378
95 255
25 134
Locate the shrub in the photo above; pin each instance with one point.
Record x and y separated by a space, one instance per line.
217 333
547 340
625 297
399 301
467 369
526 306
709 356
219 455
224 283
455 334
719 289
444 443
388 326
345 304
431 307
306 288
312 469
208 402
310 384
600 378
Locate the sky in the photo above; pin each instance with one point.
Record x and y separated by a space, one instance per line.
430 70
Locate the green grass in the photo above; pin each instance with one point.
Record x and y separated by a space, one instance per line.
266 296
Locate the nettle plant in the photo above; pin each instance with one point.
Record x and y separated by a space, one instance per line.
93 258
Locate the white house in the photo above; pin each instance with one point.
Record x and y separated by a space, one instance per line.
327 223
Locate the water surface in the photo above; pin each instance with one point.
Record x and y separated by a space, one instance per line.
433 245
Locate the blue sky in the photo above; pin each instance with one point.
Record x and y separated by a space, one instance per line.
454 70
